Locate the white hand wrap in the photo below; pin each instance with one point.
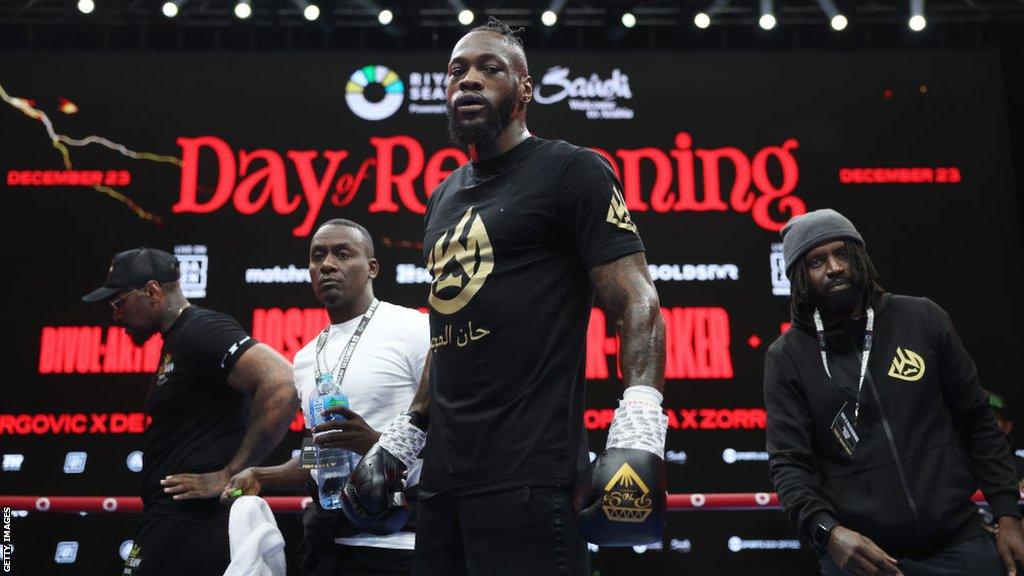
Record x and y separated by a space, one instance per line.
639 422
403 440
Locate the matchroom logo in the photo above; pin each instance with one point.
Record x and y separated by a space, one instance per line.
374 92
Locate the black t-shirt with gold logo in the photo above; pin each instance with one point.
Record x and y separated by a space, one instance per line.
509 242
198 420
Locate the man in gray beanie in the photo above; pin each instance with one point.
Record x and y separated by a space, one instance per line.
878 428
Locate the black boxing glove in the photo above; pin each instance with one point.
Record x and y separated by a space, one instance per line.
620 500
373 498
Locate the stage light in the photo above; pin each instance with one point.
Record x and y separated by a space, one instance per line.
385 17
702 20
311 12
86 6
170 9
548 18
628 20
243 10
767 19
839 22
917 21
466 17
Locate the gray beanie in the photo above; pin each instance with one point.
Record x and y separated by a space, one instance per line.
804 232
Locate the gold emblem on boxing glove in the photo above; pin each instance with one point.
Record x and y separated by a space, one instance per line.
626 497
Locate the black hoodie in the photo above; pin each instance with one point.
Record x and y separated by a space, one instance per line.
927 435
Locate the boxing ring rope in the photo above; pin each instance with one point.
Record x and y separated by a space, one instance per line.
129 504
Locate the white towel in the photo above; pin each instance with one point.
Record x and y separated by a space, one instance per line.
257 547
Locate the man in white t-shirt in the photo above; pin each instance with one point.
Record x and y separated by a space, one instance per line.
386 366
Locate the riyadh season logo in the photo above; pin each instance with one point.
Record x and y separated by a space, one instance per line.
374 92
195 268
780 283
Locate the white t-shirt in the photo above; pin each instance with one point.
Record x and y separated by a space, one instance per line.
382 378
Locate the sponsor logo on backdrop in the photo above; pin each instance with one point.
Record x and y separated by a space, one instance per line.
641 548
195 266
732 456
74 462
13 462
374 92
95 350
675 457
134 461
67 552
598 97
73 423
277 275
403 173
683 546
411 274
780 282
693 272
690 418
737 544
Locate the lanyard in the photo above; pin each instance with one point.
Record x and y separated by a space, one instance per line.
325 382
864 358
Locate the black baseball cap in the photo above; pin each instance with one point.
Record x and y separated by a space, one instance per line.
133 268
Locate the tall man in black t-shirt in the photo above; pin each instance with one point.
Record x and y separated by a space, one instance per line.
878 429
200 434
518 241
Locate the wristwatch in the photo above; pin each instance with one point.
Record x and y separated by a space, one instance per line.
822 531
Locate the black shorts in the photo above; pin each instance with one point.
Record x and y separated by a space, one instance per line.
171 547
528 531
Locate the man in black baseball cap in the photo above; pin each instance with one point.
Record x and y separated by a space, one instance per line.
132 269
201 433
878 428
130 272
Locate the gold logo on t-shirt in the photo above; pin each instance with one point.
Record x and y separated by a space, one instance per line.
165 368
459 267
626 497
906 365
618 214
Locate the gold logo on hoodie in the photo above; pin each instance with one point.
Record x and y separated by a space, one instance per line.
626 497
907 365
459 266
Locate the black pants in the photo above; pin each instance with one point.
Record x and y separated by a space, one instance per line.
341 560
527 531
173 547
974 557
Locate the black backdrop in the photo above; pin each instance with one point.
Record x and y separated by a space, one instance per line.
801 126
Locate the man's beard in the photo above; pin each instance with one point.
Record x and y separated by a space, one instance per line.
842 303
481 133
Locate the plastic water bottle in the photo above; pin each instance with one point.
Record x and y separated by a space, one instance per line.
333 464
